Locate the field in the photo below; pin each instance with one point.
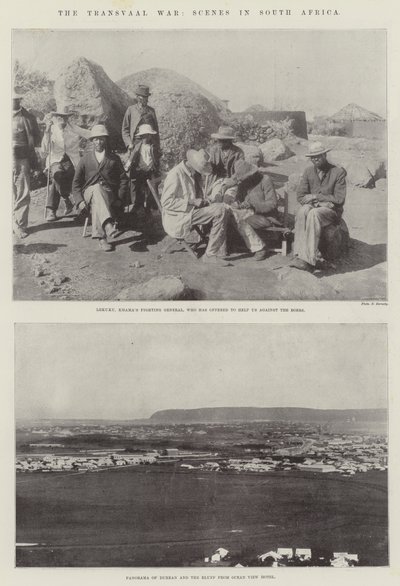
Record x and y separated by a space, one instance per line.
156 516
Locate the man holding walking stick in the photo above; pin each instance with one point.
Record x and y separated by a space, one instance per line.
61 142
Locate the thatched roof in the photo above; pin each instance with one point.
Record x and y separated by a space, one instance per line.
353 112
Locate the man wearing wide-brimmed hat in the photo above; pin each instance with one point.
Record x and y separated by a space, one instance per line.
254 206
139 113
321 194
25 137
61 143
223 156
184 205
143 164
100 184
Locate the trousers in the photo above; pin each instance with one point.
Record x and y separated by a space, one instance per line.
217 215
99 198
242 222
308 227
62 174
21 192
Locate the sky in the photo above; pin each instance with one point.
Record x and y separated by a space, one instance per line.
315 71
129 371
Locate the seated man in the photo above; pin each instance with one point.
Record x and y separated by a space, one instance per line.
254 205
321 194
143 164
184 205
61 142
99 183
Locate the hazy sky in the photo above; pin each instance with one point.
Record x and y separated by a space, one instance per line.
130 371
316 71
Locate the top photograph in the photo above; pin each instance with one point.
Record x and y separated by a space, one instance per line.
158 165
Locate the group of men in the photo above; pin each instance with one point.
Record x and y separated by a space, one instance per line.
217 188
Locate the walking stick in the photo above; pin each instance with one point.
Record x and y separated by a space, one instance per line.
85 227
48 177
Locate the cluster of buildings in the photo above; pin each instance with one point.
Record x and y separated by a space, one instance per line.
284 556
60 463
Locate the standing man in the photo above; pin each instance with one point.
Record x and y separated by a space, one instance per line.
223 157
184 206
61 143
25 137
100 184
143 165
138 114
321 194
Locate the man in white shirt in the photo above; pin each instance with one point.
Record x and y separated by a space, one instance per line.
61 142
143 164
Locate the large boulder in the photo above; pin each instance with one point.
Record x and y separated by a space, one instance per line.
275 150
165 288
334 241
358 175
187 114
85 87
252 153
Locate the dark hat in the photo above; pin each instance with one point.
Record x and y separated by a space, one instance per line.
244 170
224 133
17 95
143 90
65 111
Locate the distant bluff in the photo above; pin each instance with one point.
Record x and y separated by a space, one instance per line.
187 113
229 414
85 87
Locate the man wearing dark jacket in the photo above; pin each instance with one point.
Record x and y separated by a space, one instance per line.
223 157
26 136
136 115
321 194
253 204
99 183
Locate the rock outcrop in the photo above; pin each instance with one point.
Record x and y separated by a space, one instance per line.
275 150
85 87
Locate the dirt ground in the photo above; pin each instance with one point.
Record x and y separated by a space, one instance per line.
56 262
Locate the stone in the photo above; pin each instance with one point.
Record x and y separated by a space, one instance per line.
165 288
334 241
377 167
58 278
358 175
252 153
84 86
381 184
275 150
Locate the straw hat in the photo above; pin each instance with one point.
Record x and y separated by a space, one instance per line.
145 129
97 131
224 133
199 160
317 148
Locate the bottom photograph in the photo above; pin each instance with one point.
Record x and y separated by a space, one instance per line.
201 445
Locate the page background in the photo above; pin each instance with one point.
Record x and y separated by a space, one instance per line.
43 14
